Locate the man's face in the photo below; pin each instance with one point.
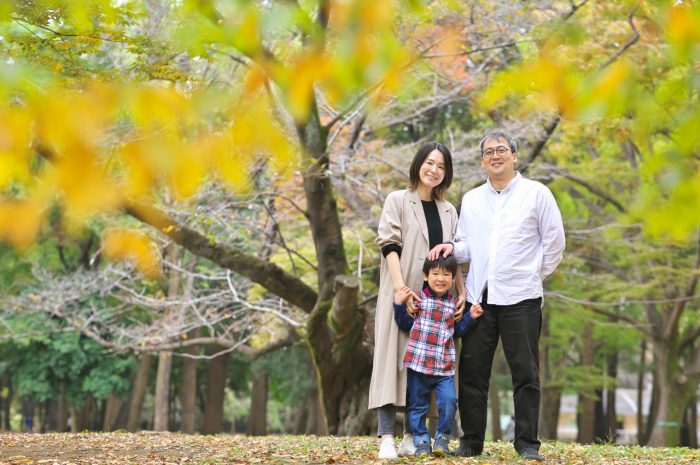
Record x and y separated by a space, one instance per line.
439 280
498 160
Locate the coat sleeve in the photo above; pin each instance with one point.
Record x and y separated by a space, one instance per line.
390 231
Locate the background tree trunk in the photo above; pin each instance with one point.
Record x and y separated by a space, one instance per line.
641 427
113 406
189 389
62 413
213 416
586 416
138 392
257 421
162 396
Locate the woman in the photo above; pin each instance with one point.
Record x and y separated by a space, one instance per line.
412 222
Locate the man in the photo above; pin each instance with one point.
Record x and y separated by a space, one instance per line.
511 232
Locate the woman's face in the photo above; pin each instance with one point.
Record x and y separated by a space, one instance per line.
432 171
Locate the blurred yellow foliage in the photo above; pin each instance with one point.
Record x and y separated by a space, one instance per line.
135 246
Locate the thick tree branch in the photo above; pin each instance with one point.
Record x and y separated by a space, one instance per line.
672 324
590 188
270 276
540 143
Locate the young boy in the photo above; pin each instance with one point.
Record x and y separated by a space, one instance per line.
430 355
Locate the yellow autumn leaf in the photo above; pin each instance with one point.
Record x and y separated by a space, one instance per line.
188 172
133 246
20 221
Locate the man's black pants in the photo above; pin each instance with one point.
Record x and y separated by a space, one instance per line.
518 326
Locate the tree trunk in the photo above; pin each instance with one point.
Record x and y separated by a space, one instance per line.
693 422
586 416
641 437
611 407
62 414
8 407
550 397
675 391
549 412
257 421
316 420
138 392
189 389
113 406
162 397
213 416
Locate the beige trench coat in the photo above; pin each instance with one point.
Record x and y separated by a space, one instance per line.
402 222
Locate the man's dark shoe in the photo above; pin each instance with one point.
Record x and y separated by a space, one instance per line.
531 454
423 449
465 451
441 447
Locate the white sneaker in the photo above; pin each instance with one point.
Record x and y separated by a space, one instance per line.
387 450
407 447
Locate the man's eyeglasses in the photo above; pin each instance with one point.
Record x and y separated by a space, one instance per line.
501 151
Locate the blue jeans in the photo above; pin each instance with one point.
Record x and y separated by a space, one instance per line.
419 388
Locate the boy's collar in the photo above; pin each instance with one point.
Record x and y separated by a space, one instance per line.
430 292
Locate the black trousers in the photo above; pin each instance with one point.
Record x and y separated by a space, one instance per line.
518 327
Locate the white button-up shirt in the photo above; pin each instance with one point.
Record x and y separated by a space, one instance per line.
512 240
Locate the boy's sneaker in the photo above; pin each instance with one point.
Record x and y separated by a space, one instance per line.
423 449
407 448
387 450
441 447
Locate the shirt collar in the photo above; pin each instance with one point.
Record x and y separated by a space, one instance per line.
431 293
511 184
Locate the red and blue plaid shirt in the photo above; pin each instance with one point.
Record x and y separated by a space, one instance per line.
430 347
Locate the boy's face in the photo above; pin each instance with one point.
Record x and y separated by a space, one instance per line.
439 280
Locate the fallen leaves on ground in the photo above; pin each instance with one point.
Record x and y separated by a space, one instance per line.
149 448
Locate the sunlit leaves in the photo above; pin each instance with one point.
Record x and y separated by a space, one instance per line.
646 86
134 246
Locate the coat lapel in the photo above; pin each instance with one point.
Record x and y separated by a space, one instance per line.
418 212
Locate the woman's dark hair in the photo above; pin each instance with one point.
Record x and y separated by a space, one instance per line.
449 263
414 173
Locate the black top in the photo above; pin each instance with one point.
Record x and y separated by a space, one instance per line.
432 218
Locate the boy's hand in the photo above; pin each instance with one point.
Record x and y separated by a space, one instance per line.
476 311
402 295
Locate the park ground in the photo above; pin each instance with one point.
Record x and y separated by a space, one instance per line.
148 448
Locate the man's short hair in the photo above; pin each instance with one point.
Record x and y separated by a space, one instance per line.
501 137
449 263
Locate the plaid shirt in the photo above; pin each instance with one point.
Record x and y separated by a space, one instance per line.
431 350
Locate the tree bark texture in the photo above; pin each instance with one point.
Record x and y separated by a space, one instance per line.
162 396
586 417
189 389
138 392
213 416
257 421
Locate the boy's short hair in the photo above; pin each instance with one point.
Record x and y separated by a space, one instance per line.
449 263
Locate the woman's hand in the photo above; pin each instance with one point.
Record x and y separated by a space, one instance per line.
459 311
411 302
